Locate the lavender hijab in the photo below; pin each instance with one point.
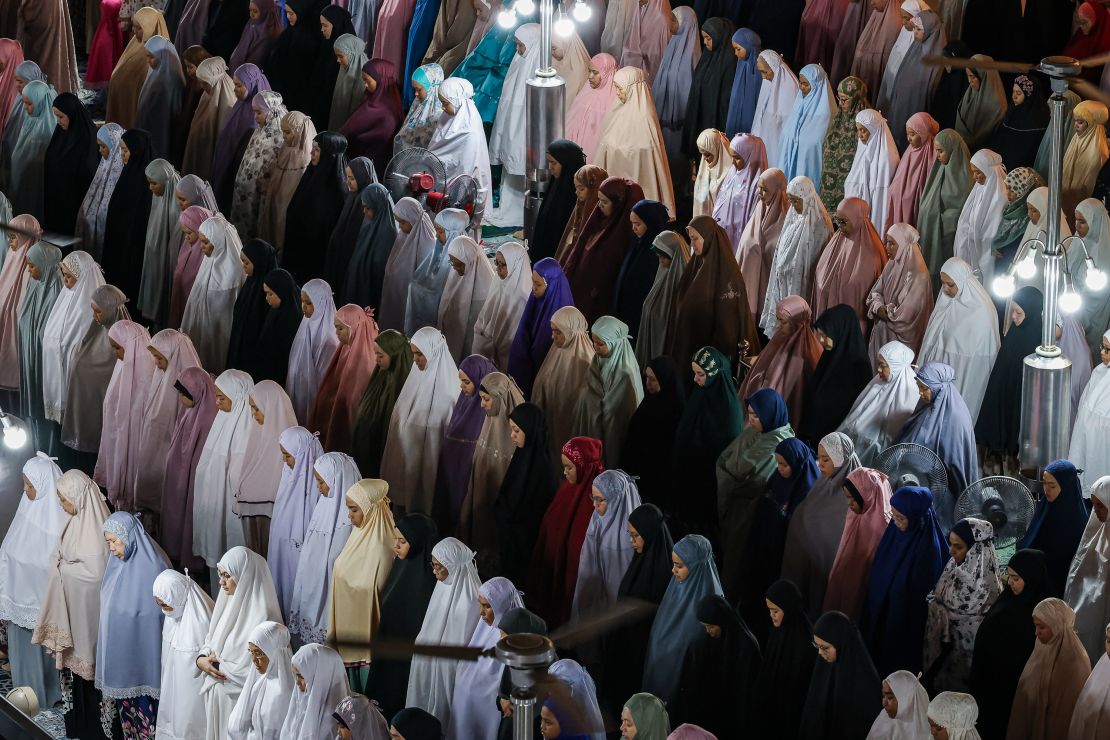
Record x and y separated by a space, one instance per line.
236 133
671 86
129 616
533 334
460 436
296 498
738 194
606 551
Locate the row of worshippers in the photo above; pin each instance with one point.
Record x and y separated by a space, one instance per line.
247 674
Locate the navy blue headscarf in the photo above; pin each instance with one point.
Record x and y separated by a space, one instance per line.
533 335
789 492
905 569
1058 525
745 85
769 407
945 426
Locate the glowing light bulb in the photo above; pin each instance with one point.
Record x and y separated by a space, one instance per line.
581 12
564 27
1096 278
1070 301
506 18
1027 268
1003 286
525 7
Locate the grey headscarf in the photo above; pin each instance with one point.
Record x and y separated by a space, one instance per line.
38 299
92 370
817 525
676 70
656 313
163 239
27 71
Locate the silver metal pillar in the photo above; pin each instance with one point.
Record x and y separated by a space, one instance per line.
524 712
1046 376
546 99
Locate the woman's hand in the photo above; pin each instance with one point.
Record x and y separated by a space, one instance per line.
207 664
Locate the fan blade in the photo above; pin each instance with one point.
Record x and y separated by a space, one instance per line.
1096 61
962 63
595 625
1087 90
61 241
403 649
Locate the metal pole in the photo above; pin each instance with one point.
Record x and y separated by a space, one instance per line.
1053 248
546 96
524 712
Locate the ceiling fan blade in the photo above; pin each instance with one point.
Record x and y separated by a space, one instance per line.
61 241
402 649
962 63
1087 90
595 625
1096 61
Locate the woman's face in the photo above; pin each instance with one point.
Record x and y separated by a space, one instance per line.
569 471
98 315
826 650
1104 352
156 187
256 412
776 613
1084 23
466 384
890 701
321 484
549 724
751 418
227 583
595 77
315 156
696 241
924 392
678 568
883 370
326 27
32 269
891 247
948 285
628 725
634 537
907 20
863 133
581 192
160 360
737 160
919 34
381 357
600 347
1081 125
439 570
957 548
404 226
972 78
1017 95
942 155
63 119
354 513
600 503
68 278
605 204
343 59
272 298
115 545
1082 228
707 40
639 228
651 382
844 102
67 507
255 13
803 85
485 401
259 659
240 88
457 265
369 83
1017 315
978 175
105 152
795 202
900 520
223 402
765 70
151 61
401 545
539 285
1034 214
342 332
125 153
782 466
448 106
517 435
259 117
290 461
307 306
853 505
290 15
553 165
1050 486
1011 196
700 377
485 610
1015 581
558 338
500 265
824 462
740 52
418 358
1044 632
915 139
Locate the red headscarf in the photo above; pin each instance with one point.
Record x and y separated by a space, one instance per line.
562 532
345 379
1084 45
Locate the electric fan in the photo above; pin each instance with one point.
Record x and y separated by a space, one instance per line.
414 173
1004 502
909 464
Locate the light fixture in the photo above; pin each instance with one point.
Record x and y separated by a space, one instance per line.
15 436
1003 285
1096 278
581 12
1027 268
506 18
525 7
1070 302
564 26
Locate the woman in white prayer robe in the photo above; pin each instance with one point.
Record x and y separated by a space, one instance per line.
211 305
1088 585
497 323
884 405
188 613
904 715
260 712
321 683
1092 422
963 332
981 215
65 329
459 139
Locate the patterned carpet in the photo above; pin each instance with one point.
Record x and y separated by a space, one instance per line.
49 720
